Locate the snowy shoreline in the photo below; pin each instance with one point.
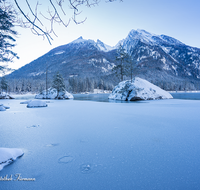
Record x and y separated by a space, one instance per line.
100 92
8 155
183 91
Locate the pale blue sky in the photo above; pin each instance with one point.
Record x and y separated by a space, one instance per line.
111 22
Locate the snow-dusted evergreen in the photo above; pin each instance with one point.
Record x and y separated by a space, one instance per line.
4 84
59 84
139 89
8 155
52 94
120 69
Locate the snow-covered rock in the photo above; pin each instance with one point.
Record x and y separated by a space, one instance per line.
8 155
68 95
25 102
3 108
139 89
6 107
4 95
52 94
36 103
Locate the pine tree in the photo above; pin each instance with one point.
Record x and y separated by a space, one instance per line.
4 84
7 18
131 67
120 69
58 83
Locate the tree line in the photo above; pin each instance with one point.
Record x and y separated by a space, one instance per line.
78 85
73 85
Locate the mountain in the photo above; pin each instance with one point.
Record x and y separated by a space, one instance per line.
163 53
161 59
79 58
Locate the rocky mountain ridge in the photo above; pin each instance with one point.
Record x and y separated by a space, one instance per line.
160 59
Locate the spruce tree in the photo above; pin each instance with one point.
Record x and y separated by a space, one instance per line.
4 84
58 83
131 67
7 18
120 69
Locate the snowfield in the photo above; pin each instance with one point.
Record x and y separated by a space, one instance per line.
139 89
86 145
8 155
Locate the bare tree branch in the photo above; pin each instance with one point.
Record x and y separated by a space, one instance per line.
49 38
34 21
35 15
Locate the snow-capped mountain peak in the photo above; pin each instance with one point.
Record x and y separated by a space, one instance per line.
79 40
148 38
99 44
142 35
104 47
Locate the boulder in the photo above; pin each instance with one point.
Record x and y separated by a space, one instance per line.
36 103
25 102
52 94
8 155
139 89
3 108
4 95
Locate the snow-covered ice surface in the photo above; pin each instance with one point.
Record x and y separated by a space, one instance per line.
139 89
8 155
93 145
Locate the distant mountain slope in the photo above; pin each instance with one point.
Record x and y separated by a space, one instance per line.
78 58
159 59
163 53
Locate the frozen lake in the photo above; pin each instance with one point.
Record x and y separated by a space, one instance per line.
104 97
186 95
85 145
